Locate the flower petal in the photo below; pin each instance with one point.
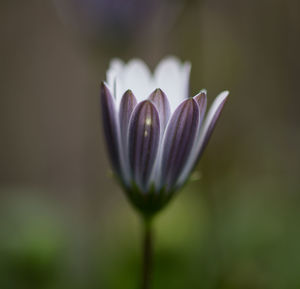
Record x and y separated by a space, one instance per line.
178 140
161 102
127 105
173 78
110 127
144 135
211 119
205 133
185 75
137 77
116 67
201 99
113 75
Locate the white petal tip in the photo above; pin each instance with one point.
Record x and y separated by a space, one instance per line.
223 95
116 64
171 58
187 65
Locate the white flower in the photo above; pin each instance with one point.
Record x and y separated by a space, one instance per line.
170 75
155 132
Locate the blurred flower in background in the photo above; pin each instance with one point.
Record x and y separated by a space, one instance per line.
115 22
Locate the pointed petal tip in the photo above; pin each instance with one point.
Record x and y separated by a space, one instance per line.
223 95
201 99
160 100
105 93
128 98
187 65
200 95
116 62
192 100
104 86
156 91
220 100
128 91
171 58
147 101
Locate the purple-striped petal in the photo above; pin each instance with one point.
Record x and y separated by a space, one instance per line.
201 99
144 135
128 103
159 98
205 133
178 140
211 120
110 127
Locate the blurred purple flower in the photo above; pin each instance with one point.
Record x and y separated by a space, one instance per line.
116 20
154 132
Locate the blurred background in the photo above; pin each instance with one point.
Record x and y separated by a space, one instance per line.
64 221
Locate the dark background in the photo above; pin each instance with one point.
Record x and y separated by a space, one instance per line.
64 222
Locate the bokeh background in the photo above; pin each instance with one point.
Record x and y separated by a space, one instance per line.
64 221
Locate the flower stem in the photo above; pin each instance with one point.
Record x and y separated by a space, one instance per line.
147 255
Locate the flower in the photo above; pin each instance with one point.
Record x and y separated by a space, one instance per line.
155 132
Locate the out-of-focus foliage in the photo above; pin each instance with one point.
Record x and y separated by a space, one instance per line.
65 224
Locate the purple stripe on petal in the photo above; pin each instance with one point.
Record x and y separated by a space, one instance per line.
160 100
178 140
128 103
144 135
201 99
110 127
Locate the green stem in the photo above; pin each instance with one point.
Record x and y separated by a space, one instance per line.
147 255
